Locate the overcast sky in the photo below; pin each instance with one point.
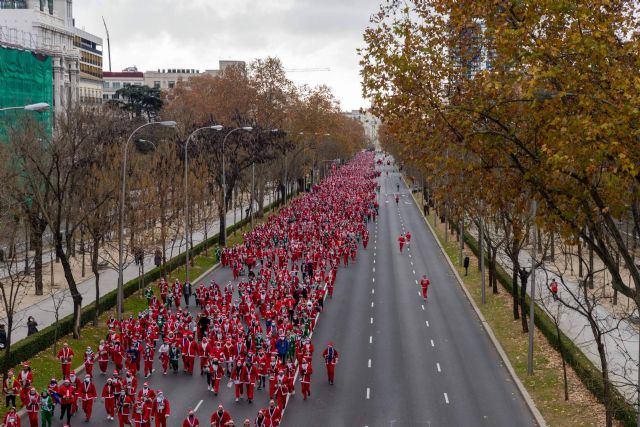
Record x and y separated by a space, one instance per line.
152 34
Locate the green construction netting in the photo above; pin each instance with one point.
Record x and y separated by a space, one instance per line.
25 78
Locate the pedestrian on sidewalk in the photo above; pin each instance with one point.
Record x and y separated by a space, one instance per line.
32 326
553 287
3 337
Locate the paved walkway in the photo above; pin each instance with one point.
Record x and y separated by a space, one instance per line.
44 312
621 339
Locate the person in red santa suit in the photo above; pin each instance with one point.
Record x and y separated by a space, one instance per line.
146 393
88 395
236 376
330 356
424 283
281 389
11 419
123 404
140 414
108 396
249 378
273 414
164 356
191 420
103 357
25 376
305 377
65 355
189 352
147 356
401 242
33 406
76 383
68 397
215 373
220 418
89 360
161 409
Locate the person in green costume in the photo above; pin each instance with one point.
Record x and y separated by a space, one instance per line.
46 408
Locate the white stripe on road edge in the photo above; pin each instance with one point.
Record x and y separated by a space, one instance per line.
197 406
369 363
438 366
446 398
368 392
372 320
432 344
370 339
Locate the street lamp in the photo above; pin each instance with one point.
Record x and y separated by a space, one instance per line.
125 150
39 107
224 181
186 192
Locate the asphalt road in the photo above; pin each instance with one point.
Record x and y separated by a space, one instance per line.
404 363
400 364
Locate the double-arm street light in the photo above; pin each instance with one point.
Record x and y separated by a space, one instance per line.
39 107
125 150
186 192
224 181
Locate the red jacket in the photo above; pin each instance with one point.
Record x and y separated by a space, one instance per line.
67 394
218 420
194 422
88 391
161 408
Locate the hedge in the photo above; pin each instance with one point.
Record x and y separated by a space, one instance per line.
45 338
589 375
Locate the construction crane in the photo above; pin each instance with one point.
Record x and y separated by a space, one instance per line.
108 41
306 70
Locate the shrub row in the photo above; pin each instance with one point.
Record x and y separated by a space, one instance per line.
28 347
590 376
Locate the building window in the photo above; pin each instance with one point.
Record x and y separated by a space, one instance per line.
116 85
106 85
172 84
156 85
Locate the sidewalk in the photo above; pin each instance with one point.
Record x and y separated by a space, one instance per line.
44 313
621 342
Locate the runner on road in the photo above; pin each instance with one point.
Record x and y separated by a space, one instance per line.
330 359
401 242
425 286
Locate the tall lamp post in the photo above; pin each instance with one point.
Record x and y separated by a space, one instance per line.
224 180
186 193
120 296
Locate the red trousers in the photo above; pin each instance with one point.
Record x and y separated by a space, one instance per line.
401 246
123 419
203 363
103 366
282 400
161 420
165 365
89 369
33 419
109 406
239 390
250 388
331 368
306 390
188 364
87 407
148 367
272 387
66 370
424 292
216 385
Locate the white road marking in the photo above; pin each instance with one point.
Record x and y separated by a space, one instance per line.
438 366
375 247
369 363
432 344
374 254
373 291
412 263
197 406
374 261
373 279
414 272
371 304
419 294
416 282
372 320
369 393
370 339
409 255
446 398
374 269
423 306
427 322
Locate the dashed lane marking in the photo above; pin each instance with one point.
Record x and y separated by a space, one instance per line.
414 272
369 363
197 406
374 269
427 322
432 344
372 320
369 393
370 339
446 398
416 282
371 304
438 366
373 279
373 291
423 306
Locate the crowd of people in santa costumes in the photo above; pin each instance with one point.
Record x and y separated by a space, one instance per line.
254 336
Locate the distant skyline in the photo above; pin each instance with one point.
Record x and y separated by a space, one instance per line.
163 34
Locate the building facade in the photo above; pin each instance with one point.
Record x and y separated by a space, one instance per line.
47 27
90 48
369 122
166 79
112 81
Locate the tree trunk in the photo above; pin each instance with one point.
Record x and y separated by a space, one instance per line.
73 288
523 306
514 284
222 215
96 273
493 276
38 226
564 362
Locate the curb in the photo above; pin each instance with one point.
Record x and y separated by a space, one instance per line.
505 360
